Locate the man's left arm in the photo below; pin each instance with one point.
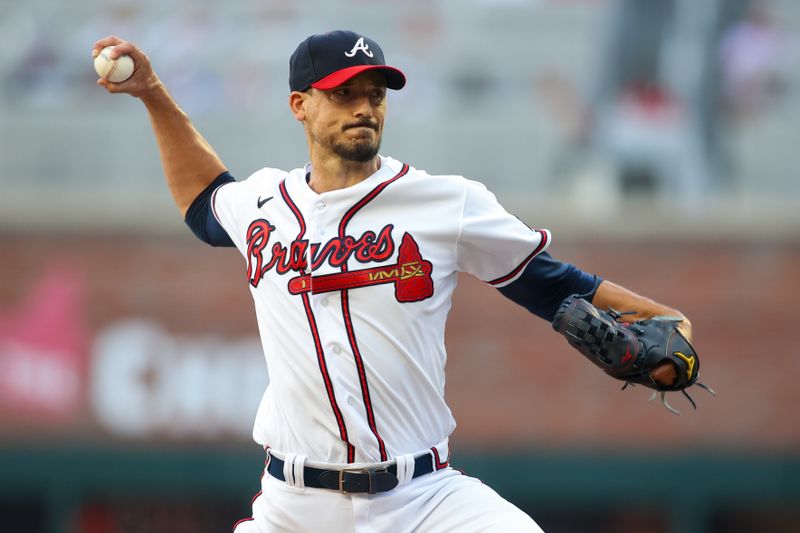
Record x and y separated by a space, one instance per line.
612 296
546 282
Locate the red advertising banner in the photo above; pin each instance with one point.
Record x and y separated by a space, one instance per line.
43 349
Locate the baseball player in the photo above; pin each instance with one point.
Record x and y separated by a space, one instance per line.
352 261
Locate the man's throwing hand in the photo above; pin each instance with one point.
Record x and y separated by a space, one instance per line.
142 81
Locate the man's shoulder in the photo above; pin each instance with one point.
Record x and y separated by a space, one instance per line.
268 174
446 185
263 182
414 173
266 178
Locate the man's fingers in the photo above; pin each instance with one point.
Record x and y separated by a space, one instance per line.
107 85
685 327
124 48
111 40
110 86
121 48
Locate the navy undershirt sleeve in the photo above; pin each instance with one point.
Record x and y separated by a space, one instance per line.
200 215
545 283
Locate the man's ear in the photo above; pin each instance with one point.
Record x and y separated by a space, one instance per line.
297 103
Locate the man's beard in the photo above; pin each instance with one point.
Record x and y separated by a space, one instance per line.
362 151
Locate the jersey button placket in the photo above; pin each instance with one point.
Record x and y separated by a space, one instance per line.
314 233
319 209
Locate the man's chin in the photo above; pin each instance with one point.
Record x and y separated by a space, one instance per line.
359 151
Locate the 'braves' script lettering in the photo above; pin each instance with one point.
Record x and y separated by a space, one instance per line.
368 248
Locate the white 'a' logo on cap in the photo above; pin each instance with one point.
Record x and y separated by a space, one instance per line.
360 45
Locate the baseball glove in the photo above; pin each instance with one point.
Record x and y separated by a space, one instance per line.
630 351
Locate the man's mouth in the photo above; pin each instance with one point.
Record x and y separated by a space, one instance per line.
357 126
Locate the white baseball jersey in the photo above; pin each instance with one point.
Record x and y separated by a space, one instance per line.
352 288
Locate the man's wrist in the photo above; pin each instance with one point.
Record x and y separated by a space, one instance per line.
155 94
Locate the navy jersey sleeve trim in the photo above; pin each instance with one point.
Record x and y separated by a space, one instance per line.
200 215
545 283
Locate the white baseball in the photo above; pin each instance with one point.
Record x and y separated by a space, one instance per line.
114 70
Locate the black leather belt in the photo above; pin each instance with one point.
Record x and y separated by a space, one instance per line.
369 480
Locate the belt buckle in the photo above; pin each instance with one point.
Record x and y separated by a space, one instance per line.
351 471
369 471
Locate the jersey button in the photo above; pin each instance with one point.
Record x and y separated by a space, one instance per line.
337 348
324 302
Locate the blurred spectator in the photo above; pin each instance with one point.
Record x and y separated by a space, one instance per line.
647 133
647 118
754 56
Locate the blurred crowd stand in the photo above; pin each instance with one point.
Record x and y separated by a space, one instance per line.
670 103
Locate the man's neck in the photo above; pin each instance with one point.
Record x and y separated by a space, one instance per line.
333 173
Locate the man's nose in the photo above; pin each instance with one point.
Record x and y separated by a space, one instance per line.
363 107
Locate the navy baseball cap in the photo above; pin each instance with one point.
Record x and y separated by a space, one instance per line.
327 60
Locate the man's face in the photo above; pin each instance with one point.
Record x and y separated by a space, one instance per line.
348 120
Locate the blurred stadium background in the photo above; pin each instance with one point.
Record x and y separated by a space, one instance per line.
656 139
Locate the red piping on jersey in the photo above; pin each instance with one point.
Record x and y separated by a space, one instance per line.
298 215
348 321
242 521
437 462
542 245
252 503
323 366
368 198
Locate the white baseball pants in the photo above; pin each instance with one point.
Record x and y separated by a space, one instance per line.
440 502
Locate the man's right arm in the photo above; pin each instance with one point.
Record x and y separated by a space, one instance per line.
189 162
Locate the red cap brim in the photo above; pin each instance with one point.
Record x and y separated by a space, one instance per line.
395 79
